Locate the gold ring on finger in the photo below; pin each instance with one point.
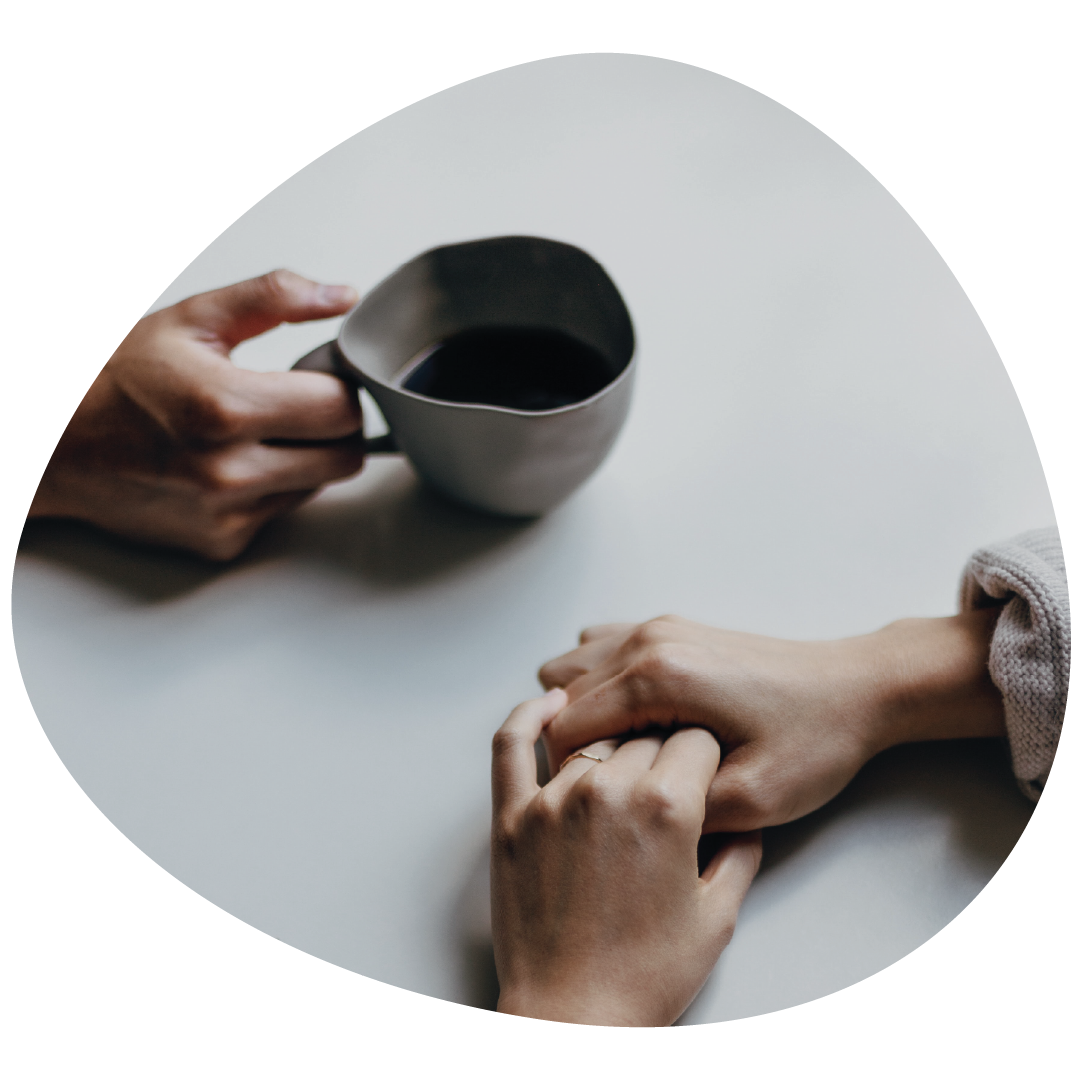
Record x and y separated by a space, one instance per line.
580 753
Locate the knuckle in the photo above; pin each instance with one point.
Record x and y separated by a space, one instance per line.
646 635
277 284
503 742
655 632
660 662
503 835
666 807
747 798
542 813
658 629
596 791
217 475
211 416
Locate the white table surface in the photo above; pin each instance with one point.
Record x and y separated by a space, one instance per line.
821 433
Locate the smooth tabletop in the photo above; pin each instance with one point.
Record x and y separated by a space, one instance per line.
821 434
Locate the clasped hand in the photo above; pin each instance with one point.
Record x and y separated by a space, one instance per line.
599 913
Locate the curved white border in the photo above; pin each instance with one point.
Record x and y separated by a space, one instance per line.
139 131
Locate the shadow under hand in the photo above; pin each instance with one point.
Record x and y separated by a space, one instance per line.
385 527
969 780
472 928
150 574
471 919
850 889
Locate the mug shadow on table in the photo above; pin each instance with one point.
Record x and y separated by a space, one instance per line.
394 533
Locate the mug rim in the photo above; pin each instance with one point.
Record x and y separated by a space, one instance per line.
366 379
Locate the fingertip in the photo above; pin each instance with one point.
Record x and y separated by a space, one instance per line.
249 308
748 846
758 846
336 297
545 679
556 700
537 711
699 737
735 865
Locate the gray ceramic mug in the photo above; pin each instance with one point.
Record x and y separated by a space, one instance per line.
502 460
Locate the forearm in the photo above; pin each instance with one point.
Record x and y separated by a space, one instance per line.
933 681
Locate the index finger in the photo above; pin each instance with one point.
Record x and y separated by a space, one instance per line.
622 704
513 757
292 404
249 308
595 650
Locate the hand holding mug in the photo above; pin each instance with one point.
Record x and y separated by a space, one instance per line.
175 445
504 368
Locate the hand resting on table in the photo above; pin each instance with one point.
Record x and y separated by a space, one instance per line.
796 720
599 914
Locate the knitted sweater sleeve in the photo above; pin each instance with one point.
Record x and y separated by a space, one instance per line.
1029 652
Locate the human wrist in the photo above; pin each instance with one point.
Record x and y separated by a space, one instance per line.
570 1006
932 680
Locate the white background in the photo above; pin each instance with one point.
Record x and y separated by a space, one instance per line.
135 133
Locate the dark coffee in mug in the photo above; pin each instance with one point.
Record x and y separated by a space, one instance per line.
503 367
530 369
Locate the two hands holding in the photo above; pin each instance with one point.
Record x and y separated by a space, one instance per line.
669 730
665 731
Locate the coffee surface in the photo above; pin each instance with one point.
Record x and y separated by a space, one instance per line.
513 367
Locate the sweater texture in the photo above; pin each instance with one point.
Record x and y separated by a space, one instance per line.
1029 652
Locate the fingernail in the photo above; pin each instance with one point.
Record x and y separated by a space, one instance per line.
553 691
336 295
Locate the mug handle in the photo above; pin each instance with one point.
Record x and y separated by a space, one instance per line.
327 358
